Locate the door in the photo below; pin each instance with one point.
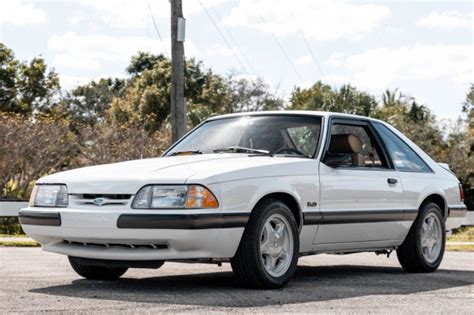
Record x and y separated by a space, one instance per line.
361 192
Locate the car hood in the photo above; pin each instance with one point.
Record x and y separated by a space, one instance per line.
127 177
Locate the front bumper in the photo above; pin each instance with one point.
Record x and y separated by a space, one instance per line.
135 235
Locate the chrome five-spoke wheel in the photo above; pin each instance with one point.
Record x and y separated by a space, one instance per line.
431 237
276 245
268 252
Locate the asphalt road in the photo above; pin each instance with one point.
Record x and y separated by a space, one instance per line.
35 281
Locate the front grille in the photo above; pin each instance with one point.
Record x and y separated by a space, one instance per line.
150 246
109 196
105 199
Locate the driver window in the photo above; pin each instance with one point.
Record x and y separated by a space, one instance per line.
353 146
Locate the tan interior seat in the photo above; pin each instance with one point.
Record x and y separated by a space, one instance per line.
348 144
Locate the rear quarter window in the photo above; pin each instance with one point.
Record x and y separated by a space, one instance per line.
403 156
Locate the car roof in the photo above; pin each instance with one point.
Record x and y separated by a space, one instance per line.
291 112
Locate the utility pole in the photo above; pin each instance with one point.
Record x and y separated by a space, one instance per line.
178 103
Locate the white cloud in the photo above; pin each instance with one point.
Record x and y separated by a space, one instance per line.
383 67
335 59
321 20
73 50
20 13
128 13
304 60
447 20
69 81
75 20
220 50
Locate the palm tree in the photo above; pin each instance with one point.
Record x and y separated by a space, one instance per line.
391 98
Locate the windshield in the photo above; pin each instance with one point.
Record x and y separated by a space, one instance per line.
277 134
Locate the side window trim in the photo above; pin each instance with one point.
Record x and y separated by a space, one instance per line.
404 142
382 146
362 123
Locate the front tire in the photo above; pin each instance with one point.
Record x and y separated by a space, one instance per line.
96 272
268 252
423 248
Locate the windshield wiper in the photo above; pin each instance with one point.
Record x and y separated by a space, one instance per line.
190 152
237 149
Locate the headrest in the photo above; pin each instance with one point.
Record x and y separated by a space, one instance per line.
345 144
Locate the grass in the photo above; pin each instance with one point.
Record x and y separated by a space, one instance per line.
13 235
20 240
463 234
19 244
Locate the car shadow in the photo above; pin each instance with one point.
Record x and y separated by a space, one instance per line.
310 284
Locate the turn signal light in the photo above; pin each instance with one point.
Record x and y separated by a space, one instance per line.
201 198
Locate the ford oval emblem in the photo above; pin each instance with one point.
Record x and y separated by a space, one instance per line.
99 201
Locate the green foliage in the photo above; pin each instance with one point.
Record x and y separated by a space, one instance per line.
25 87
469 102
320 96
10 226
89 103
143 61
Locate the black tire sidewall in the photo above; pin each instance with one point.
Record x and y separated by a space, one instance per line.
96 272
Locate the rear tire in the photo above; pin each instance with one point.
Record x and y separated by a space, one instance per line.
268 252
96 272
423 248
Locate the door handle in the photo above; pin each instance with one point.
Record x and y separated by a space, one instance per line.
392 181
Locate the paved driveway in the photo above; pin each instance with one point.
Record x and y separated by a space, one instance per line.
32 281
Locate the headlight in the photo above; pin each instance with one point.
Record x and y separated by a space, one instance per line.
49 196
174 196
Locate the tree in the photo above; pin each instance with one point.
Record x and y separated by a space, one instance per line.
417 112
146 98
317 97
35 147
320 96
247 95
90 102
416 122
349 100
392 98
109 143
8 73
468 107
469 102
143 61
26 87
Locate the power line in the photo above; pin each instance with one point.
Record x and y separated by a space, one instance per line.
156 29
234 41
283 50
309 48
223 37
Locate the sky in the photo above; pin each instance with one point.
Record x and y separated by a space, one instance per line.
423 48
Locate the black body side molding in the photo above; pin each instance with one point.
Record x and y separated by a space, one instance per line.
183 221
40 218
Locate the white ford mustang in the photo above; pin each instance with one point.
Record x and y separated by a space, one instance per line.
258 190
